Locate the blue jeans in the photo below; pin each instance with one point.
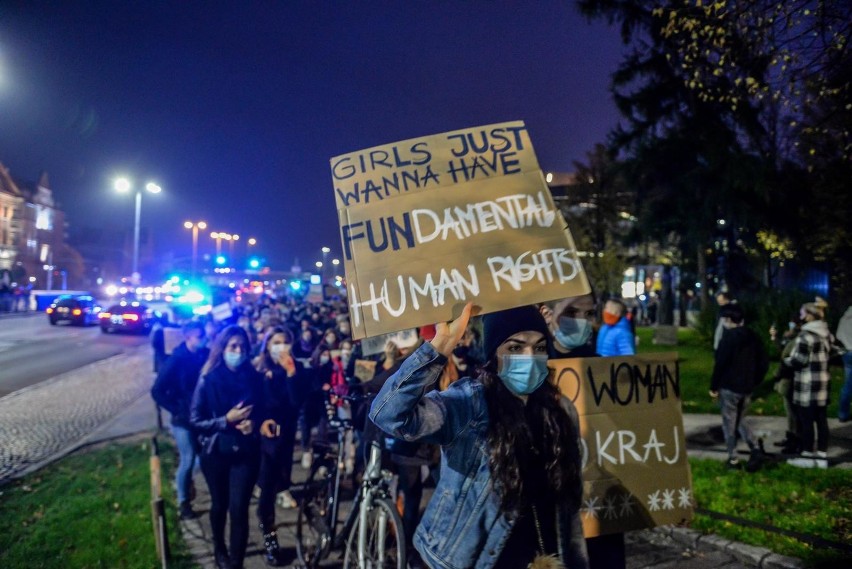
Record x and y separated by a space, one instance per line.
188 462
846 390
734 407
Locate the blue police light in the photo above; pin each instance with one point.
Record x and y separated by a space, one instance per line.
221 260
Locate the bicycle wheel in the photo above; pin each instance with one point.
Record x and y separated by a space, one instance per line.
313 536
384 546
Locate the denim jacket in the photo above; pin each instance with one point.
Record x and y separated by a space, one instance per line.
463 525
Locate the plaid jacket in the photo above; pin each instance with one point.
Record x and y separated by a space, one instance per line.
809 360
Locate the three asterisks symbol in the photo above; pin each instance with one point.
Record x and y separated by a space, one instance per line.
591 507
684 499
654 501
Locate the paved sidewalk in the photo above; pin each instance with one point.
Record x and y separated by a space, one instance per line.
704 438
659 547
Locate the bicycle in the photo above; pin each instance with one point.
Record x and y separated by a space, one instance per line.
372 534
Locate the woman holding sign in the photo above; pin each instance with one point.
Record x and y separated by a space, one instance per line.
510 485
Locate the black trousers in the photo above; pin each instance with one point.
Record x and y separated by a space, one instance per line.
276 466
808 416
411 487
230 479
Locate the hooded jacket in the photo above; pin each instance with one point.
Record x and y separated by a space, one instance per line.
844 329
809 361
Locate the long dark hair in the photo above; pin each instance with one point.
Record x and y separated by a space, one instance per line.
515 428
264 361
215 359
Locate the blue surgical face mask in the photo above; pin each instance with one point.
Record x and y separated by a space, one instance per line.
233 359
573 332
523 374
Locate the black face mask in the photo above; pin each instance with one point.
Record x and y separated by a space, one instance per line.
461 351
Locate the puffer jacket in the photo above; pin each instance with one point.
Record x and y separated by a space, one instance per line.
616 340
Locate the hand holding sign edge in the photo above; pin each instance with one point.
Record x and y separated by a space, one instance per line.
448 334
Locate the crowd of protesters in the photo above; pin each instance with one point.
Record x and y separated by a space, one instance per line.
250 395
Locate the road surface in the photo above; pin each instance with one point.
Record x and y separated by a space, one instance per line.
31 350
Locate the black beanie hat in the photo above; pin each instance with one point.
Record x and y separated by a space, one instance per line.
497 327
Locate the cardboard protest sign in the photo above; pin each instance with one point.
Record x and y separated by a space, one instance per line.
222 312
376 344
635 469
365 370
431 223
314 294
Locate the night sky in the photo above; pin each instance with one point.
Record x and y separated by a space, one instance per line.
235 108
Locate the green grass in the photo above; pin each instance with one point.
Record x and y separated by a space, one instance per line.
696 367
90 509
814 502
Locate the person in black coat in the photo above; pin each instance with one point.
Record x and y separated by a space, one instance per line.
228 409
284 386
173 390
740 364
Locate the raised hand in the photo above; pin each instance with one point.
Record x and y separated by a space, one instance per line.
288 363
238 413
448 334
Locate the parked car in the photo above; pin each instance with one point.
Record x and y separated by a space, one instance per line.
79 310
128 317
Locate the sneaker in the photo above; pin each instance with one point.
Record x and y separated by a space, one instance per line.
844 419
186 512
821 460
806 460
733 463
286 500
307 460
755 461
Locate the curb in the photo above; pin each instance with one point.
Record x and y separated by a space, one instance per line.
750 555
88 439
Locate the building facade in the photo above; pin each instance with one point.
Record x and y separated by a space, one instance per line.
32 233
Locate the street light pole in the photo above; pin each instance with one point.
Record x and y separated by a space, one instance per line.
195 227
325 252
122 185
137 219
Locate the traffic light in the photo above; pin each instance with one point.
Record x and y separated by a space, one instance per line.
254 263
221 260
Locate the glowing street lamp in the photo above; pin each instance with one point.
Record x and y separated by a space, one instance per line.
231 241
123 186
325 252
336 263
219 236
195 227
